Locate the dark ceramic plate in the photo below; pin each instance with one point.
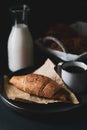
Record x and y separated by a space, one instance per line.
34 108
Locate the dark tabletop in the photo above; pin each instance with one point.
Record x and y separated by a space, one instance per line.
12 120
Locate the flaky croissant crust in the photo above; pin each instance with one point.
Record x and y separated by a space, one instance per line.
40 86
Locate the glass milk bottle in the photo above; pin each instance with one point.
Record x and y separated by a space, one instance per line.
20 42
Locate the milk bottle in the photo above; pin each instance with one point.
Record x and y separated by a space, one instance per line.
20 43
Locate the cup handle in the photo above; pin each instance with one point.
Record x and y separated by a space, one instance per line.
58 68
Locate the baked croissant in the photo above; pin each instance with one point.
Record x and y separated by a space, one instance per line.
41 86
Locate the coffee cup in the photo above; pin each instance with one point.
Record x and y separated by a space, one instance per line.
74 75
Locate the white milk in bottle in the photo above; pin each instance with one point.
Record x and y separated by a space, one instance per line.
20 46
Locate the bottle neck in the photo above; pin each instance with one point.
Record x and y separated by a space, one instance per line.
20 14
20 25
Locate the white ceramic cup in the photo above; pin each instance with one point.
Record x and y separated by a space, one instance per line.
74 74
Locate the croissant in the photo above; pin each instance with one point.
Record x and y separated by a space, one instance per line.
41 86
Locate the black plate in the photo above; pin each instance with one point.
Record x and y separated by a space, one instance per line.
34 108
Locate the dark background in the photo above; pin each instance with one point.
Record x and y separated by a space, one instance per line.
43 14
